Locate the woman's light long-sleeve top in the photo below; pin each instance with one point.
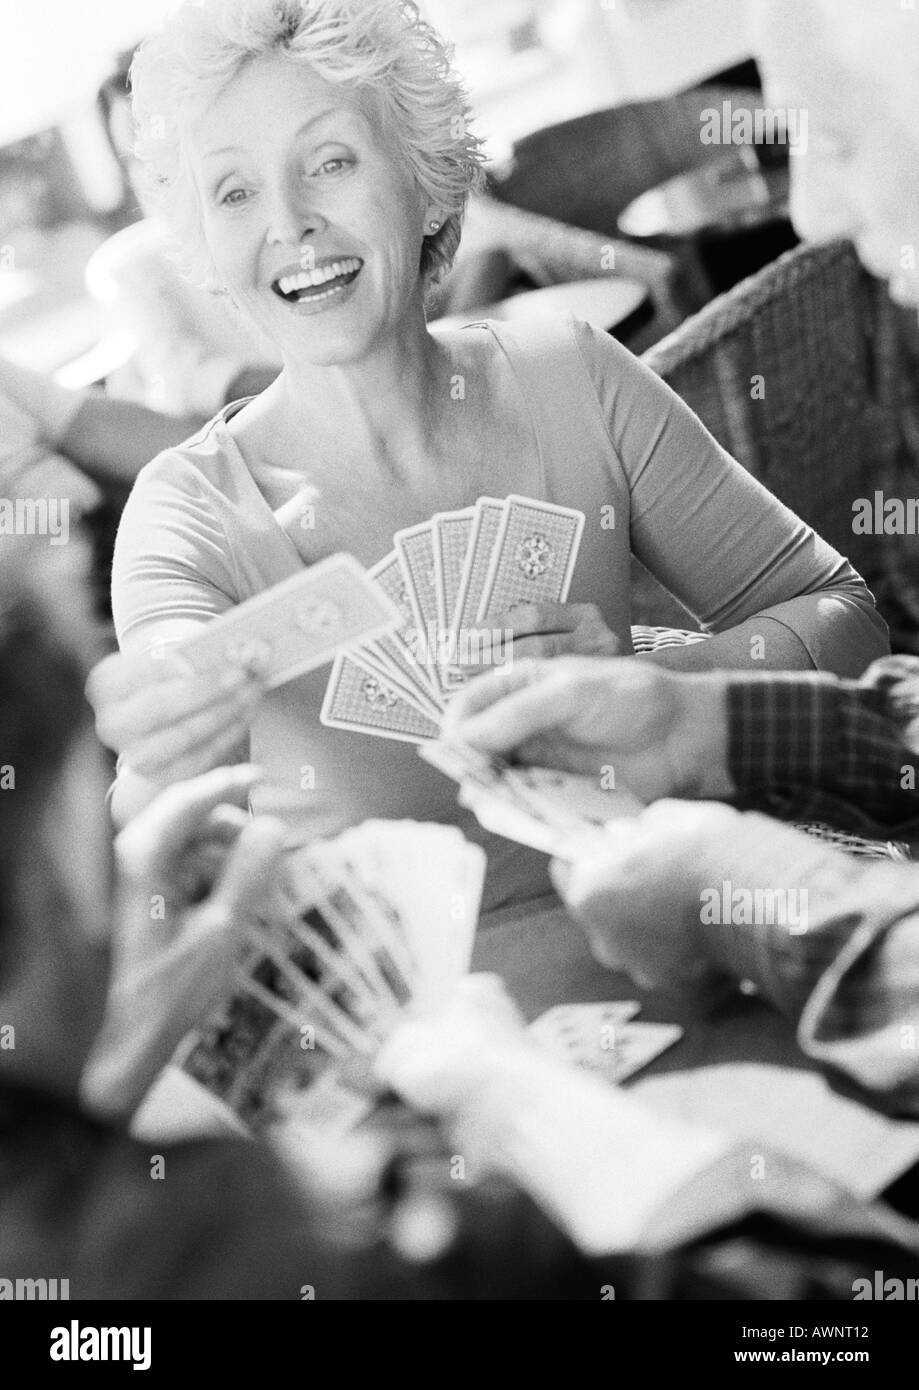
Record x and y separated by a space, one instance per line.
610 438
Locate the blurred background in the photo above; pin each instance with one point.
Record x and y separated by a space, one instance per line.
83 293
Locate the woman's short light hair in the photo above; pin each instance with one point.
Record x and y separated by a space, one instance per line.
378 46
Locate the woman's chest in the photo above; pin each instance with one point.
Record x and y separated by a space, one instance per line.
351 509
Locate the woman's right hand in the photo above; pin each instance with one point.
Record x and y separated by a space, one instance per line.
167 722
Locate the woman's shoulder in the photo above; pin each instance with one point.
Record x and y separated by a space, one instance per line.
565 341
201 462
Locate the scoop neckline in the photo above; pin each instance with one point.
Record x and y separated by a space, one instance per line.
493 326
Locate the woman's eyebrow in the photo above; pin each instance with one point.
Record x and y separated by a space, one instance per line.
307 125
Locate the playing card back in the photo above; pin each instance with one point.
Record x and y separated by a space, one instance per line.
295 626
533 558
485 527
360 700
452 534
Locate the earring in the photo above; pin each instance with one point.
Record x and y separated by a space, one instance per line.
436 226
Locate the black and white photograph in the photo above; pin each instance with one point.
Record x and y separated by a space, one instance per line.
459 671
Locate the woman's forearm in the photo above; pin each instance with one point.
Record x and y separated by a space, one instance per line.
830 631
759 644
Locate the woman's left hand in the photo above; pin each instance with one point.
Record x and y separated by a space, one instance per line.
544 630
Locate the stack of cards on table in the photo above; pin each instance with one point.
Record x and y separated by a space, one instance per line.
367 927
450 578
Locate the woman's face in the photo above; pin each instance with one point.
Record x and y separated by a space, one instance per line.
314 222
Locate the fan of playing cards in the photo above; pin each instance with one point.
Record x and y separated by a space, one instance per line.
449 578
367 927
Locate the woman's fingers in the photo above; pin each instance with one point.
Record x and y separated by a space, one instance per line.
531 618
176 748
167 710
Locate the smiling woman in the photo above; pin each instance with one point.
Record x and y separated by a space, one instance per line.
376 51
315 160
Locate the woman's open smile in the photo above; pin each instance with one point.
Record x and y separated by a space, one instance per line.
308 203
323 286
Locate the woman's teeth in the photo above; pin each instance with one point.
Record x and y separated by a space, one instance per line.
319 283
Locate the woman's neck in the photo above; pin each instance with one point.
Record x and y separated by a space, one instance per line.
383 412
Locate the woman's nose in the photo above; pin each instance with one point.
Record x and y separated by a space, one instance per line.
292 218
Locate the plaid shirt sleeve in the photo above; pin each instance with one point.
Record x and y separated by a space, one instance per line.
846 971
811 747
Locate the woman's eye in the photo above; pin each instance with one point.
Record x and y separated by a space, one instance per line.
333 166
234 197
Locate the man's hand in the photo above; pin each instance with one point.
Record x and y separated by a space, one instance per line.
640 902
193 872
663 734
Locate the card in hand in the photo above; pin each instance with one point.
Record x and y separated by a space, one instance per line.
390 660
415 548
358 931
360 700
563 814
486 524
295 626
534 556
452 534
388 574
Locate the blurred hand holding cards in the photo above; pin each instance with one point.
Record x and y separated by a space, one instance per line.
562 814
366 928
451 579
295 626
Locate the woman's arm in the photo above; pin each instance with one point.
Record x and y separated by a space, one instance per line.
172 573
775 594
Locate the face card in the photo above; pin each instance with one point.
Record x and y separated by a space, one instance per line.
359 700
485 527
246 1053
297 625
533 558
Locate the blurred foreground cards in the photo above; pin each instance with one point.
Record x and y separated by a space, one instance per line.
451 579
370 926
